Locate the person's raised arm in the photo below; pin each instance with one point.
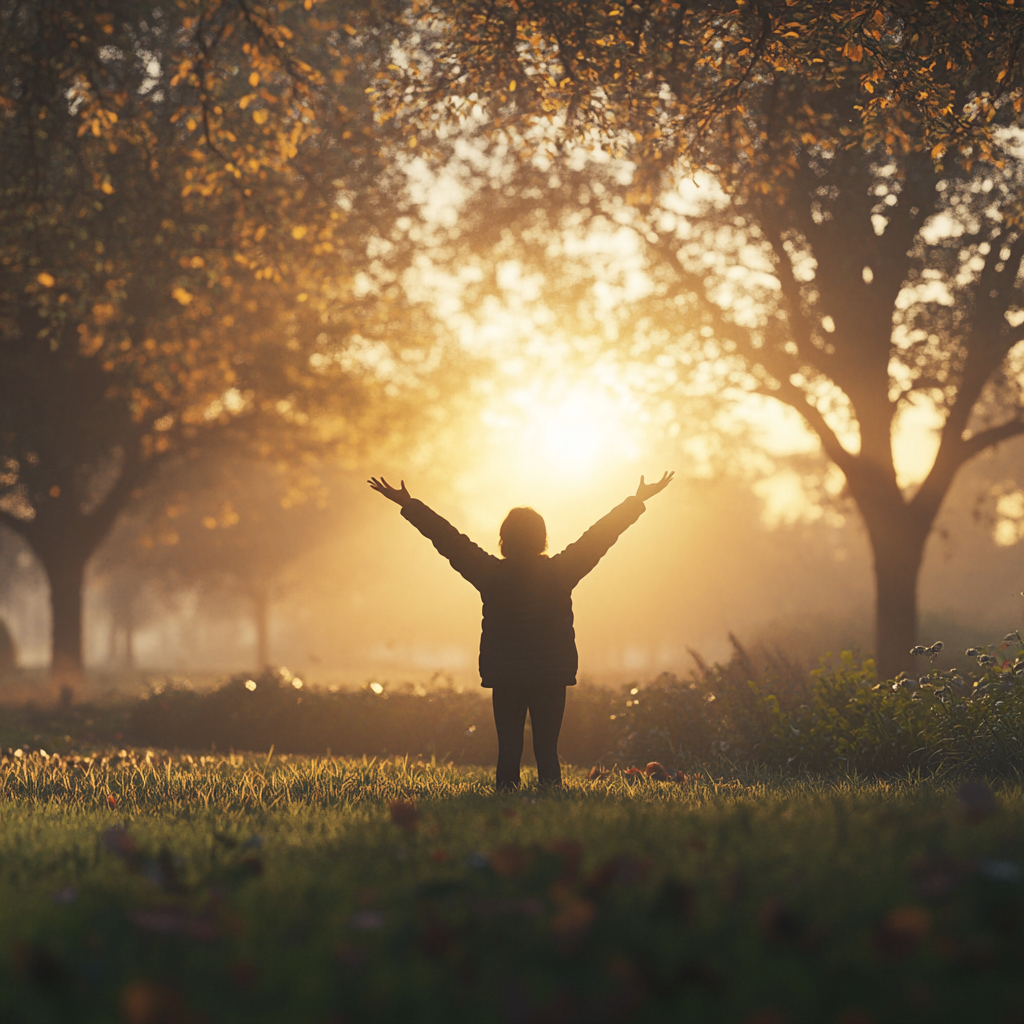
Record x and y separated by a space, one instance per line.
579 558
400 496
645 491
467 559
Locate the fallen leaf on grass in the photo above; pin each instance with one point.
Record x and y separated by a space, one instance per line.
596 774
143 1002
404 814
573 918
510 860
657 771
112 801
901 933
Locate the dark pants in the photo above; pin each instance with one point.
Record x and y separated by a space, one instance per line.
546 704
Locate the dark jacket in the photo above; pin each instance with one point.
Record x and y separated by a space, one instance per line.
528 633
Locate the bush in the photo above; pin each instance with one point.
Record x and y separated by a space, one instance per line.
948 720
714 713
756 709
268 710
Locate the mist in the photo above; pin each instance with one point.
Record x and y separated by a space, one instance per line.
372 600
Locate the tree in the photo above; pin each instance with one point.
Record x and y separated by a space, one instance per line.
222 528
186 192
873 212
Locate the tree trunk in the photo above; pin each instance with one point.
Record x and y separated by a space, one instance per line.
129 635
65 571
261 616
897 545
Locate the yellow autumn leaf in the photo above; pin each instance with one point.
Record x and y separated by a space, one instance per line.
259 116
350 30
853 51
254 79
182 296
107 189
46 280
298 232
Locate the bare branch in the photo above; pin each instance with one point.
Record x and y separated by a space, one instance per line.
796 399
993 436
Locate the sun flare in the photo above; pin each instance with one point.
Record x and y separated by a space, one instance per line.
571 432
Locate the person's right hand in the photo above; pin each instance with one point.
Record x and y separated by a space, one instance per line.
400 496
645 491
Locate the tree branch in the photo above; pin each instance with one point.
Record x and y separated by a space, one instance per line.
993 436
791 395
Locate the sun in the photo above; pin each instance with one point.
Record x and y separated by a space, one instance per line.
567 431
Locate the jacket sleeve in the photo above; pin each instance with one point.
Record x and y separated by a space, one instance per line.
467 558
579 558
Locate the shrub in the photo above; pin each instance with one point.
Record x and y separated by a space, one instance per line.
970 722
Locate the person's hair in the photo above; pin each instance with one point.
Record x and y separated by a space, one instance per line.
523 533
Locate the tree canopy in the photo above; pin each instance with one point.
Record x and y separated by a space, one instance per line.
186 194
661 81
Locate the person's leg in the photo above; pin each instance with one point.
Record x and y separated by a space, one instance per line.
547 706
510 705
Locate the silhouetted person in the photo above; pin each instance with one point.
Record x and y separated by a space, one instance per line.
528 644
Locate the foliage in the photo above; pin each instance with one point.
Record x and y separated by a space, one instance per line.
841 717
659 81
970 722
188 190
264 889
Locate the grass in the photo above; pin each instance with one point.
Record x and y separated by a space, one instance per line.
275 889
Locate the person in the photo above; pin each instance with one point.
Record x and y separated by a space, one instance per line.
527 644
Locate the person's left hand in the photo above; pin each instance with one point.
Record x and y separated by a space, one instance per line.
400 496
645 491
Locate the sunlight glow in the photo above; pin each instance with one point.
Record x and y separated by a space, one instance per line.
563 431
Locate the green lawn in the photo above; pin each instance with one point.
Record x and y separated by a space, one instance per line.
294 890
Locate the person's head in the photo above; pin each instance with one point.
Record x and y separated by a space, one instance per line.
523 533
